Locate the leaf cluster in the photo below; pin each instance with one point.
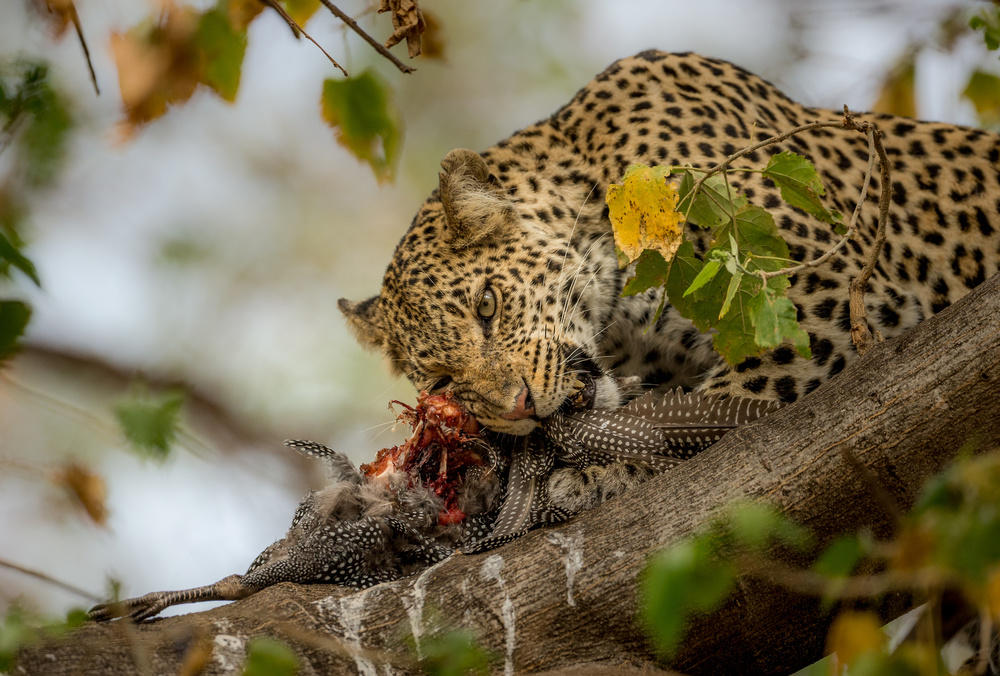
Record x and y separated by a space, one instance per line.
722 289
950 539
21 627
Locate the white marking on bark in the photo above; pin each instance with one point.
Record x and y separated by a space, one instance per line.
414 606
349 612
229 652
572 545
491 571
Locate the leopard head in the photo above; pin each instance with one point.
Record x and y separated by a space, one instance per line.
484 298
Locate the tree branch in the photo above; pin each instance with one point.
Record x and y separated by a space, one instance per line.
566 595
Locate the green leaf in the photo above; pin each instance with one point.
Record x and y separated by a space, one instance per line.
756 235
270 657
41 116
150 424
221 49
776 319
734 286
367 124
989 22
706 275
713 204
800 184
453 653
11 255
678 582
756 526
650 273
14 317
840 558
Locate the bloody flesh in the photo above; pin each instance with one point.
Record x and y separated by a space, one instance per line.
437 453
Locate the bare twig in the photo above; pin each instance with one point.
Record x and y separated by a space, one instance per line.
860 333
75 18
296 28
376 45
51 580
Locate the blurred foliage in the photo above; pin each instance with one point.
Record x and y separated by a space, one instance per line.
988 21
162 61
447 651
270 657
21 628
897 94
34 123
34 119
950 540
150 422
720 291
367 124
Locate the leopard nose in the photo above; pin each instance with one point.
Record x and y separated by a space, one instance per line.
524 406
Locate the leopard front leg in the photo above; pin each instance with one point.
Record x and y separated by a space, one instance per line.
575 490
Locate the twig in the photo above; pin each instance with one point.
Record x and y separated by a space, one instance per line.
51 580
296 28
851 228
336 11
83 43
860 333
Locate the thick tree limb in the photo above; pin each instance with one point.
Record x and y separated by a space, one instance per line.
566 596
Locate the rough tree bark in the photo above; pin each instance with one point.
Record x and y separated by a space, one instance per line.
564 597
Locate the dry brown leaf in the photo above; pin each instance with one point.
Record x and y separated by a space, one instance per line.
58 14
157 66
88 489
408 22
431 42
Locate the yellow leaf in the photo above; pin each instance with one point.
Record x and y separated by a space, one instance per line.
644 213
853 635
993 594
983 91
300 10
897 95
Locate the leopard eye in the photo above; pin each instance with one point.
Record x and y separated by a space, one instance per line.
487 305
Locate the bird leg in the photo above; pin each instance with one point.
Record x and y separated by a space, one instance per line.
227 589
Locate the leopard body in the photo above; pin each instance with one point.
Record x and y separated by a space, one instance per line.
506 288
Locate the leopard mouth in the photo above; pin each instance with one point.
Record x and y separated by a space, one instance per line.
586 372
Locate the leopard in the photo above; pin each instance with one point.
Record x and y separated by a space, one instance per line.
506 288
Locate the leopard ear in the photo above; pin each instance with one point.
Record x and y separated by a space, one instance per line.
364 321
475 203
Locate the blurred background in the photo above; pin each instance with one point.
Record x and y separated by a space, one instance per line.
202 254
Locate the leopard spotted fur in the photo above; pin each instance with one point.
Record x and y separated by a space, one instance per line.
506 288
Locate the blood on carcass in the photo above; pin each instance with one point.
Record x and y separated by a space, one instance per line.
438 452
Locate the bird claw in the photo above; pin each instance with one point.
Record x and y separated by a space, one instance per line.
138 609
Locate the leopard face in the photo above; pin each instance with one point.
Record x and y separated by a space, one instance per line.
482 298
506 288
